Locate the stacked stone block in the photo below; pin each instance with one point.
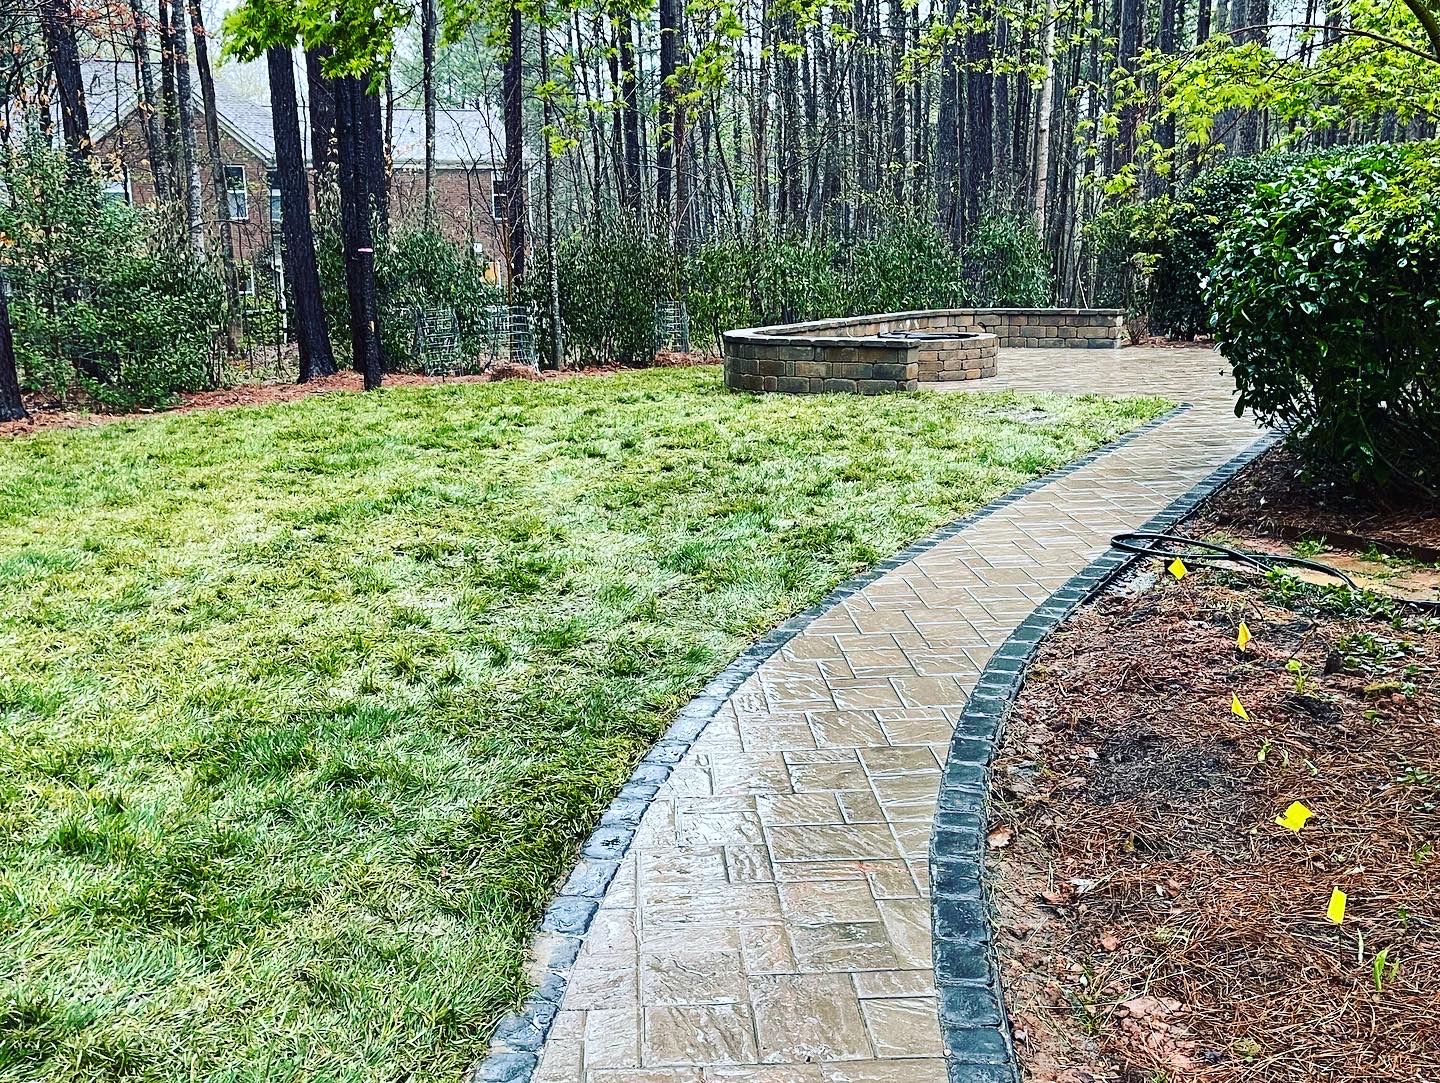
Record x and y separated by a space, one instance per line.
869 355
811 370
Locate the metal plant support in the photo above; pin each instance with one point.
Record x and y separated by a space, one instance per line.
672 326
508 334
436 348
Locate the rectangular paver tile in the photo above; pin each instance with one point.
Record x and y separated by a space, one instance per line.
671 978
907 1027
838 842
699 1035
808 1017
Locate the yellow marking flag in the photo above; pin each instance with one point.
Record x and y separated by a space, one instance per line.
1237 708
1243 639
1177 568
1335 912
1294 817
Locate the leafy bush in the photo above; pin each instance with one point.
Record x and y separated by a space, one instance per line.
1325 299
909 265
419 269
1006 264
107 299
611 276
1153 253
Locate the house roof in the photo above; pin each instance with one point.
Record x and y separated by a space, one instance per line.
464 138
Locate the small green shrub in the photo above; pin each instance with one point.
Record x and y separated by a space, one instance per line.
420 270
611 276
1326 296
107 299
908 265
1006 264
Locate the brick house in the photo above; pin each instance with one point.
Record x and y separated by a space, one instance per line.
469 174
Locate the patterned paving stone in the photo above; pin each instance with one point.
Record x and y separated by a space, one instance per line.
771 921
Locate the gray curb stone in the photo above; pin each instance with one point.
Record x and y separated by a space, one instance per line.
514 1049
975 1030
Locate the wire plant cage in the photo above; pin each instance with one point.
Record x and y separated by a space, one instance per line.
672 327
436 347
507 334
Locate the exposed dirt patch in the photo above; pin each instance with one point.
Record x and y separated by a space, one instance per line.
1273 498
47 413
1157 924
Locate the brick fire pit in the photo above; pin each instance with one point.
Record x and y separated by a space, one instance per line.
899 351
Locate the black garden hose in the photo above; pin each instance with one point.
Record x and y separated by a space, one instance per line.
1168 547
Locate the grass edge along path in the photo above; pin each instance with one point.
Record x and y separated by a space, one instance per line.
306 707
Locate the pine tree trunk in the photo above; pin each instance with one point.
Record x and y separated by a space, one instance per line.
515 217
316 356
189 154
947 139
355 213
169 109
1132 13
12 405
629 114
321 91
980 126
57 20
664 141
148 106
428 19
217 173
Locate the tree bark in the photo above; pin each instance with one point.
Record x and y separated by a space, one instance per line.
12 405
321 91
355 214
664 141
629 111
57 20
149 110
947 140
980 126
316 356
1044 119
189 155
515 217
428 19
217 172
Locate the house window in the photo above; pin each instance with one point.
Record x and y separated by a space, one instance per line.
498 196
272 178
237 197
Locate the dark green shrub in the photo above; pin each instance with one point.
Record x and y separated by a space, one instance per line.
420 270
107 299
908 265
1006 264
612 275
1153 253
1326 298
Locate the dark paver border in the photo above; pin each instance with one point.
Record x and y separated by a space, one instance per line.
973 1023
518 1038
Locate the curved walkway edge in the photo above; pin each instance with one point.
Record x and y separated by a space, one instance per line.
756 904
973 1020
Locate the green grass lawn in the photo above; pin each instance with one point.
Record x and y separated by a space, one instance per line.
306 707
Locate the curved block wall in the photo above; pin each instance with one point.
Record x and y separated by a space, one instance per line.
899 351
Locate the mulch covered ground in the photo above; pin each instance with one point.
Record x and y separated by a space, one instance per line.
1276 498
1157 924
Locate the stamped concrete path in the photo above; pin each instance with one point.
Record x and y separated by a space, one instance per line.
770 923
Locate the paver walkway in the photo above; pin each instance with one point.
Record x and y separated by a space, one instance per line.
770 923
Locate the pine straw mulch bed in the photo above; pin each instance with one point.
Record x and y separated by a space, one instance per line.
1156 924
1273 496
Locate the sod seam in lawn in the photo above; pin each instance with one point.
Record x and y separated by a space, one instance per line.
306 707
